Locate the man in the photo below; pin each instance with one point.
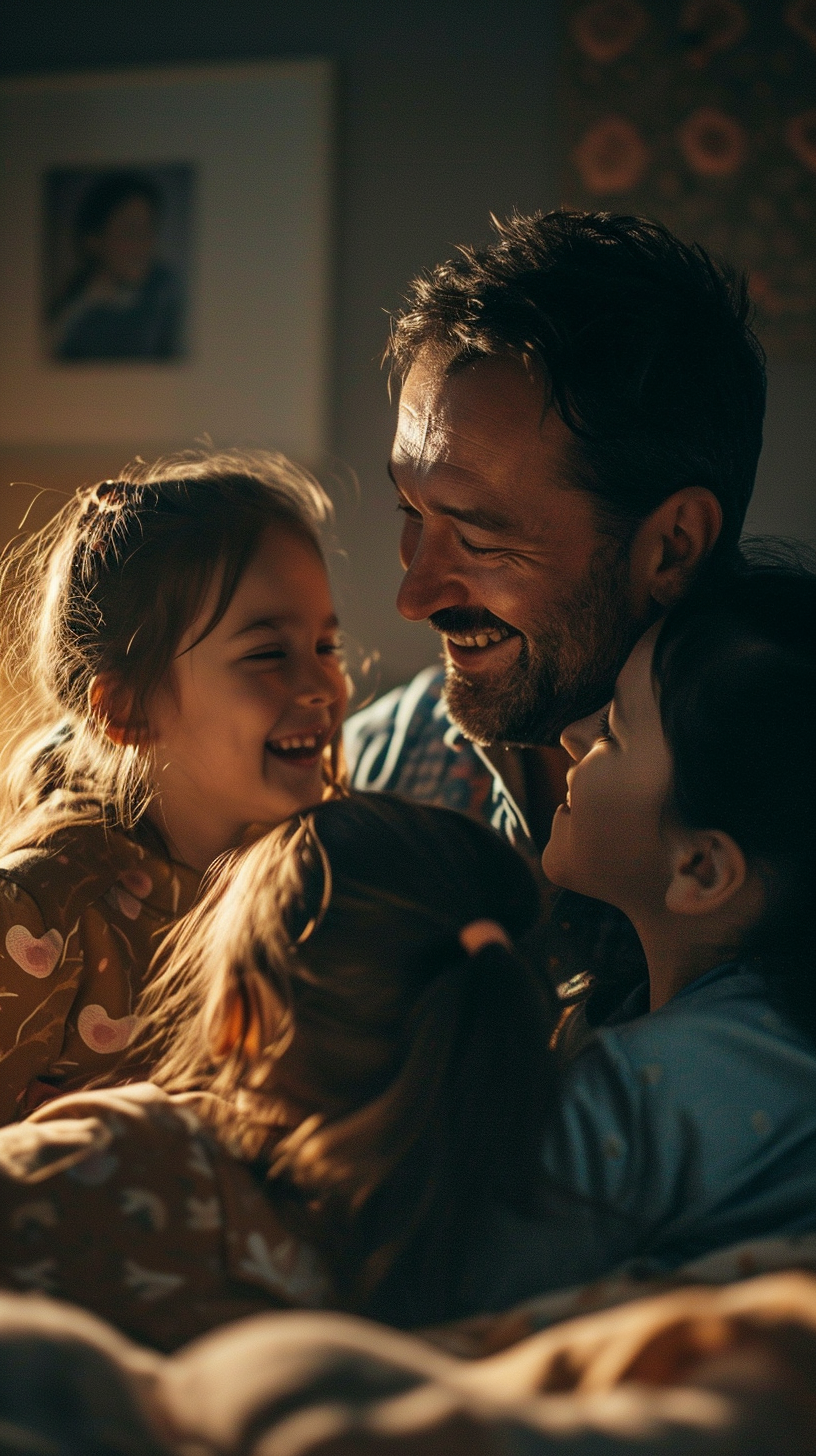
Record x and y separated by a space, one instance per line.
579 427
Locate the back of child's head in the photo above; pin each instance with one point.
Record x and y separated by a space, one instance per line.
735 666
107 590
321 989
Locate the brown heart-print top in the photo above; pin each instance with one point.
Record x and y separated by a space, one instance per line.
81 918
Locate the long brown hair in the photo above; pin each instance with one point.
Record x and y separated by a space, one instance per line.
110 586
389 1082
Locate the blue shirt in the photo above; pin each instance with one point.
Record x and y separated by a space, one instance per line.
683 1131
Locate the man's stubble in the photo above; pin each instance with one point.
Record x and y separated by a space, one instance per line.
566 667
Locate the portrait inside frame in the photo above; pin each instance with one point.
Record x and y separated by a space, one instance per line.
166 258
117 244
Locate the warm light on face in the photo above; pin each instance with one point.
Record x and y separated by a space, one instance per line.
607 839
254 705
503 555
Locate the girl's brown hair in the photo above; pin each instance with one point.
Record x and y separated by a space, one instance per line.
108 588
390 1083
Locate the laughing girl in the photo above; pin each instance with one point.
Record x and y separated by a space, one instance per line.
173 659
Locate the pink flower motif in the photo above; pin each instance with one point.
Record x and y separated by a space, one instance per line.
710 26
800 15
800 135
713 143
37 957
606 29
103 1033
612 156
138 882
124 902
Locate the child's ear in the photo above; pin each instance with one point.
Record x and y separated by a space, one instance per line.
111 703
250 1019
240 1027
708 869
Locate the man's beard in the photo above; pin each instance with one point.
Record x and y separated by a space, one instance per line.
566 666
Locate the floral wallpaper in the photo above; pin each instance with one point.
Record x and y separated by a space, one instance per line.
703 115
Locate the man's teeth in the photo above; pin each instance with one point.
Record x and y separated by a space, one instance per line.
307 741
478 639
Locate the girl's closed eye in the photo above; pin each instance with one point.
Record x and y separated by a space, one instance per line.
266 654
604 733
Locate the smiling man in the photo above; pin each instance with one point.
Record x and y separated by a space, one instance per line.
579 426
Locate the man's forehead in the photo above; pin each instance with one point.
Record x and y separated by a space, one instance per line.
488 410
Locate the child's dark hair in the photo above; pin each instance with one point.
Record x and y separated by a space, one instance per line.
735 665
391 1082
108 588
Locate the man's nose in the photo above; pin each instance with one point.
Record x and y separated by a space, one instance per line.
429 583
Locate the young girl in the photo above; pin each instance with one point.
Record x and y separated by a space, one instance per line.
174 649
367 1085
691 807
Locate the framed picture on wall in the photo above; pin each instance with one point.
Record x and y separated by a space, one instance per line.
164 261
117 262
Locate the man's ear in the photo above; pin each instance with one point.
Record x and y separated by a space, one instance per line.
708 869
111 704
671 544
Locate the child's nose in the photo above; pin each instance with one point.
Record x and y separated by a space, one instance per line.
317 689
579 737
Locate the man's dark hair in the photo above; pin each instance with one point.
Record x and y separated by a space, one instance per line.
645 342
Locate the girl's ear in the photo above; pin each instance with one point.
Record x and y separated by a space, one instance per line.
708 869
249 1019
239 1028
111 704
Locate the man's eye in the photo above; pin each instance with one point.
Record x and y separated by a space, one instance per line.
479 550
409 511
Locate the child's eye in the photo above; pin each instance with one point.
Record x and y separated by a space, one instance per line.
266 654
604 734
330 648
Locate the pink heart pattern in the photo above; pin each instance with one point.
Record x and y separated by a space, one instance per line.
36 957
103 1033
138 882
126 903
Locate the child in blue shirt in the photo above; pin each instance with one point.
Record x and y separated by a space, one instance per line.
691 1124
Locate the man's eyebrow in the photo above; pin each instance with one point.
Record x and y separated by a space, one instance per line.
273 623
482 519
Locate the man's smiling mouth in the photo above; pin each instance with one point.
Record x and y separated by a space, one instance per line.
478 639
463 629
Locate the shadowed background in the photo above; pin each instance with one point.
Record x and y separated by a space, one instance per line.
444 112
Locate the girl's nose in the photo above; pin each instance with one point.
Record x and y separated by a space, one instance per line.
579 737
320 686
316 695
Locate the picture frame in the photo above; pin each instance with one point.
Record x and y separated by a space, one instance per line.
250 148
